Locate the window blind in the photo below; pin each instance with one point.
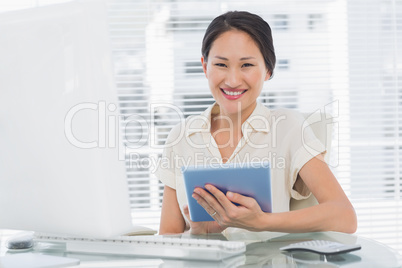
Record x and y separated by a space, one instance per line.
338 56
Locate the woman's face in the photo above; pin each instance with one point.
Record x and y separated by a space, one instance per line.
236 72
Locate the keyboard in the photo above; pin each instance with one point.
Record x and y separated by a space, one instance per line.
161 246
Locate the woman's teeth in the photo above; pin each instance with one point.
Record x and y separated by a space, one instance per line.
233 93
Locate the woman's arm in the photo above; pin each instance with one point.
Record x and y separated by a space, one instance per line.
172 220
334 212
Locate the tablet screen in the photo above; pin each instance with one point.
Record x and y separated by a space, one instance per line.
249 179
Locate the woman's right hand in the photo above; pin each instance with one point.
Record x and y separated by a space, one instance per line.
202 227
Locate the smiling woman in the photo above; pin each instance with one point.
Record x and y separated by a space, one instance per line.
235 70
237 58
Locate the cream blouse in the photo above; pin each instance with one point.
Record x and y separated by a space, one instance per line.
280 137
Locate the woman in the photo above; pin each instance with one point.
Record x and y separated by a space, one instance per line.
237 58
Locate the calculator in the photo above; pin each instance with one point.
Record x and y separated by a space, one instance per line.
321 247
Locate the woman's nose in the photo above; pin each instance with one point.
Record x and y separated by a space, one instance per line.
233 78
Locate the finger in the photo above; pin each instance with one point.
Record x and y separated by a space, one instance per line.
186 211
206 200
242 200
188 220
221 197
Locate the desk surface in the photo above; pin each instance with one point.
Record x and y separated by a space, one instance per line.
262 251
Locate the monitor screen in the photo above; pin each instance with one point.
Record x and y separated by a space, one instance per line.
62 167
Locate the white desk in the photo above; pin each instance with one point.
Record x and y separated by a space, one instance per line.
262 251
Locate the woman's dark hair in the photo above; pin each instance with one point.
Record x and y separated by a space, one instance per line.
252 24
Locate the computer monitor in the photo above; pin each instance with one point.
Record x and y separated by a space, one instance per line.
61 167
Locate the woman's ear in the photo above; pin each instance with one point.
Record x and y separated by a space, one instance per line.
204 66
268 75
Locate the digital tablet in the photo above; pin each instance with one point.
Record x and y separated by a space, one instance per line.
249 179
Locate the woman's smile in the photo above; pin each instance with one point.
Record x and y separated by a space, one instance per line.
233 94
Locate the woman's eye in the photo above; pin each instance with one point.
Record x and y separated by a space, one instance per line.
247 65
220 64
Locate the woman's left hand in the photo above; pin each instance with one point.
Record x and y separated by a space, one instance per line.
248 215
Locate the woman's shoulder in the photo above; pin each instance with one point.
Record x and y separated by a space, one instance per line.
290 116
176 131
187 126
